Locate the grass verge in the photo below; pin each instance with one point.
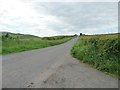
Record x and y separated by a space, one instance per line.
100 51
12 45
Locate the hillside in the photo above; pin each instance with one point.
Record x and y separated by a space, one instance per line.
12 42
18 35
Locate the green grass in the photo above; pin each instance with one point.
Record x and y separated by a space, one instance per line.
17 43
100 51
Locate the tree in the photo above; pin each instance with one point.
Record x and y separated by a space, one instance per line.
7 35
80 34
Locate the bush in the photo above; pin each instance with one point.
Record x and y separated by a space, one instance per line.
101 51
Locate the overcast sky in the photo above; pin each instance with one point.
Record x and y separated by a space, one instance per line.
58 18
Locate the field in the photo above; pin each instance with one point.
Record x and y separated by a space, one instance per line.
100 51
12 43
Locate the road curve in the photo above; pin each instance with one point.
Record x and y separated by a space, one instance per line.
51 67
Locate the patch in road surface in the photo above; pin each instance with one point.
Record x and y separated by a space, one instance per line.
77 75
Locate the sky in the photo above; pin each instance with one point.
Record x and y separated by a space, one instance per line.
43 18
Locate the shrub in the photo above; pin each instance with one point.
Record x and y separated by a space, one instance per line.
101 51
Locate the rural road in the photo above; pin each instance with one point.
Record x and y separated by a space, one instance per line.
51 67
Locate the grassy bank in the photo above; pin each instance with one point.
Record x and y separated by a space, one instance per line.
100 51
17 43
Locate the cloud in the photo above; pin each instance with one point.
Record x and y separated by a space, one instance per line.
57 18
86 15
73 0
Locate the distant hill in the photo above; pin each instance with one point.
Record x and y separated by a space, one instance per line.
6 32
21 36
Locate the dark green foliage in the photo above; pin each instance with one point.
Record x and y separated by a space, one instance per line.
101 51
80 34
56 37
7 35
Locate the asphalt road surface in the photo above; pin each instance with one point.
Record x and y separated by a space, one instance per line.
51 67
